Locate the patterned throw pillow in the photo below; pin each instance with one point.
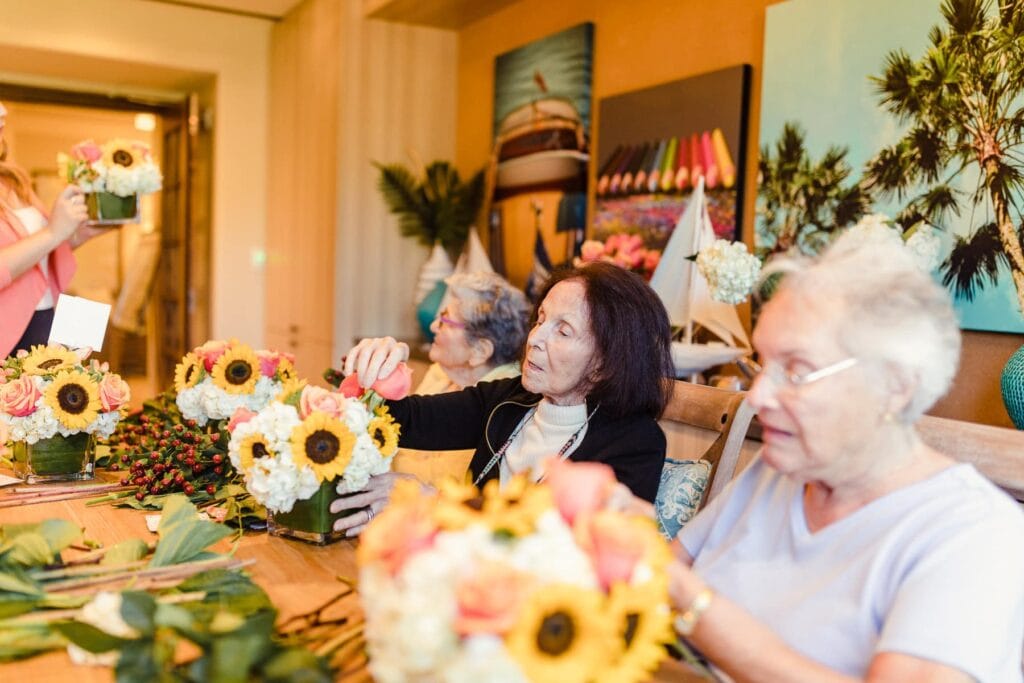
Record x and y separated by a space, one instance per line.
682 487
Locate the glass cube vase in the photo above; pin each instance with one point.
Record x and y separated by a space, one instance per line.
106 208
310 520
59 458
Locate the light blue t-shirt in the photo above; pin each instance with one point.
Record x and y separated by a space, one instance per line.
934 570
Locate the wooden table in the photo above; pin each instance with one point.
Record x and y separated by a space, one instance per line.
297 576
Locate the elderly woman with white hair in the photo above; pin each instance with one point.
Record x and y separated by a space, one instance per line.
849 549
478 335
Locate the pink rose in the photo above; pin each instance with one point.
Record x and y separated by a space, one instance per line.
240 416
490 600
614 545
396 385
269 360
210 352
18 397
316 399
591 250
579 488
350 387
87 151
397 533
611 245
114 392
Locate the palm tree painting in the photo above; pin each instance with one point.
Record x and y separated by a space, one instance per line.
926 97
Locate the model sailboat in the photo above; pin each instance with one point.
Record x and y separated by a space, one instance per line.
687 298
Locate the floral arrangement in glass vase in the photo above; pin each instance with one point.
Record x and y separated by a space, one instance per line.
626 251
219 377
533 582
296 452
53 407
112 175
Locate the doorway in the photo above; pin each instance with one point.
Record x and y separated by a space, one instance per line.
153 273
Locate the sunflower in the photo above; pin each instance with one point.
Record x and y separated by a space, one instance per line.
291 391
48 360
384 431
74 398
285 370
644 626
253 447
188 372
237 370
515 508
458 506
563 635
323 443
121 153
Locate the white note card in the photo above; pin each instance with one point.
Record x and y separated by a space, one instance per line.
79 322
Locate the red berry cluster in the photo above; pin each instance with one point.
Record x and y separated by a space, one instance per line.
167 456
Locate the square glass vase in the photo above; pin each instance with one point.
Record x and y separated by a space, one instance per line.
59 458
310 520
107 208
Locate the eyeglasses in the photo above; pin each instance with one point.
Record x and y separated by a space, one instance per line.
782 377
444 321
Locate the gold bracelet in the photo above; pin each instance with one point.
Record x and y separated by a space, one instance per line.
686 622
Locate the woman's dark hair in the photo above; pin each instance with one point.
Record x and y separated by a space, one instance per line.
632 338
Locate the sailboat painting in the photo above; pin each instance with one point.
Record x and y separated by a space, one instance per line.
687 298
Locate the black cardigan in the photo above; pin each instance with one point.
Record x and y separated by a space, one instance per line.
483 417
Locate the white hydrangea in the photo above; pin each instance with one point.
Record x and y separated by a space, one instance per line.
483 658
730 270
141 179
366 461
206 401
551 552
103 612
277 483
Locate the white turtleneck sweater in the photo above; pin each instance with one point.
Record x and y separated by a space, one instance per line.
543 436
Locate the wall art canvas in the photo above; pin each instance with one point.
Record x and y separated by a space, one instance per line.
541 150
656 143
913 109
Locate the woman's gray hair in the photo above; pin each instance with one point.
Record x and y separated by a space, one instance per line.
492 309
892 311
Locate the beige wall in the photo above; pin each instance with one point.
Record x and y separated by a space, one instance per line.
169 41
646 42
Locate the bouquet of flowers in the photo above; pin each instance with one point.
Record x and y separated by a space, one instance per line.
48 391
295 452
219 377
52 407
121 167
730 270
536 582
626 251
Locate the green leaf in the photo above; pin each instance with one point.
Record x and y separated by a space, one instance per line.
88 637
139 664
59 533
138 610
132 550
296 665
18 641
29 550
233 656
183 536
15 582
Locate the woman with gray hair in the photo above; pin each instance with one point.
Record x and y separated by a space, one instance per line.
478 334
849 549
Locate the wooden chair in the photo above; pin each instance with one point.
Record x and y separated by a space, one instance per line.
996 452
724 414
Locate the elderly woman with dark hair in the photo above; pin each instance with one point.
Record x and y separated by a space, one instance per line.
849 550
595 380
478 335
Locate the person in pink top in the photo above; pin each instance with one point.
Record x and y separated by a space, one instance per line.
36 262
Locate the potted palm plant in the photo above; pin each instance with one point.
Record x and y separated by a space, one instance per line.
438 210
